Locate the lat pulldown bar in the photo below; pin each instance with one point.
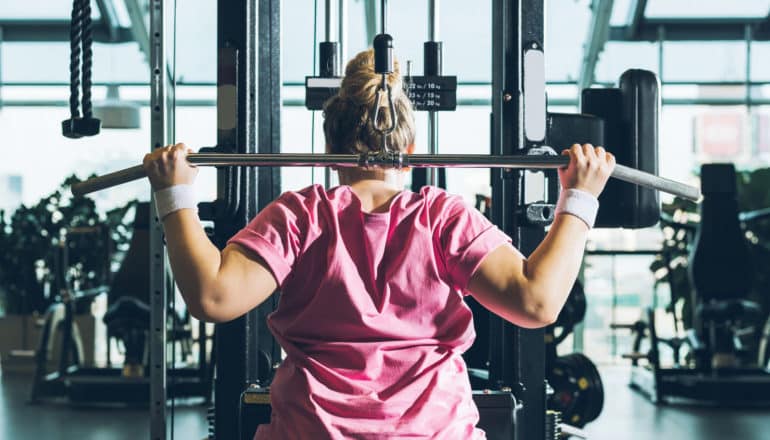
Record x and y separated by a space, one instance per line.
393 160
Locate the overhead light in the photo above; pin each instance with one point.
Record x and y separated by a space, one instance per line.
117 113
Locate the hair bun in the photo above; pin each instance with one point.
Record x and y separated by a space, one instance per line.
361 82
347 124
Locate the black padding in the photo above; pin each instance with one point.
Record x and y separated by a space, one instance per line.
718 179
328 52
433 58
565 129
729 310
631 113
128 312
720 263
383 54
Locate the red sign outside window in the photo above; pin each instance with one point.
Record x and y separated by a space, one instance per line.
720 134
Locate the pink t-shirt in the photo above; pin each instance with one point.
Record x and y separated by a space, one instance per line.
371 313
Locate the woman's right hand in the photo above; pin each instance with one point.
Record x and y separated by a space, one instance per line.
588 170
168 166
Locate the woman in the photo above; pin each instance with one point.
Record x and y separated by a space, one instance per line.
372 279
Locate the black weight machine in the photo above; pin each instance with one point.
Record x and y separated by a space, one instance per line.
249 121
127 319
718 367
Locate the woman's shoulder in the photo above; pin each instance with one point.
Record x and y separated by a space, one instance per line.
441 200
303 195
300 200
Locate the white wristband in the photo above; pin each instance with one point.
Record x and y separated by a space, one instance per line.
174 198
581 204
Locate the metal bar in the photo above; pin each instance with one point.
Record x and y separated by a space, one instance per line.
183 83
330 179
692 30
138 28
661 53
259 339
431 177
342 31
636 17
598 32
237 29
384 16
462 102
328 20
59 30
109 17
749 37
1 66
433 20
158 285
396 161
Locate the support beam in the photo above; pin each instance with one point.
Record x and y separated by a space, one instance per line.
517 355
58 30
635 17
705 29
598 32
109 17
138 27
161 132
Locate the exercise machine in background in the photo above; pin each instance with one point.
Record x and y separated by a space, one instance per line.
717 348
127 319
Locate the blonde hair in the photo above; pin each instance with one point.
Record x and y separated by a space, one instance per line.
347 124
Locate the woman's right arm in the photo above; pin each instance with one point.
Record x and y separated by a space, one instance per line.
530 292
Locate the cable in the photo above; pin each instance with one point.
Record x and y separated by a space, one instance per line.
384 13
88 56
75 33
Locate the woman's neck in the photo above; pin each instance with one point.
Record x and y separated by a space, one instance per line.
373 179
374 188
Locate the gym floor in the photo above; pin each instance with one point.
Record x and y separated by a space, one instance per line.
626 415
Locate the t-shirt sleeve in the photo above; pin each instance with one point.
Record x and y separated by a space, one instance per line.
465 238
276 235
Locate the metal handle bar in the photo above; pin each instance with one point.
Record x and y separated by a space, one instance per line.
391 160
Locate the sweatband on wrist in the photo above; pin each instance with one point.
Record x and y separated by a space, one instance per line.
580 204
174 198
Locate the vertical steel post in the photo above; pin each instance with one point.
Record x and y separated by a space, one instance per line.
518 355
433 32
342 32
268 140
383 16
161 121
748 36
1 66
236 204
328 20
249 109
